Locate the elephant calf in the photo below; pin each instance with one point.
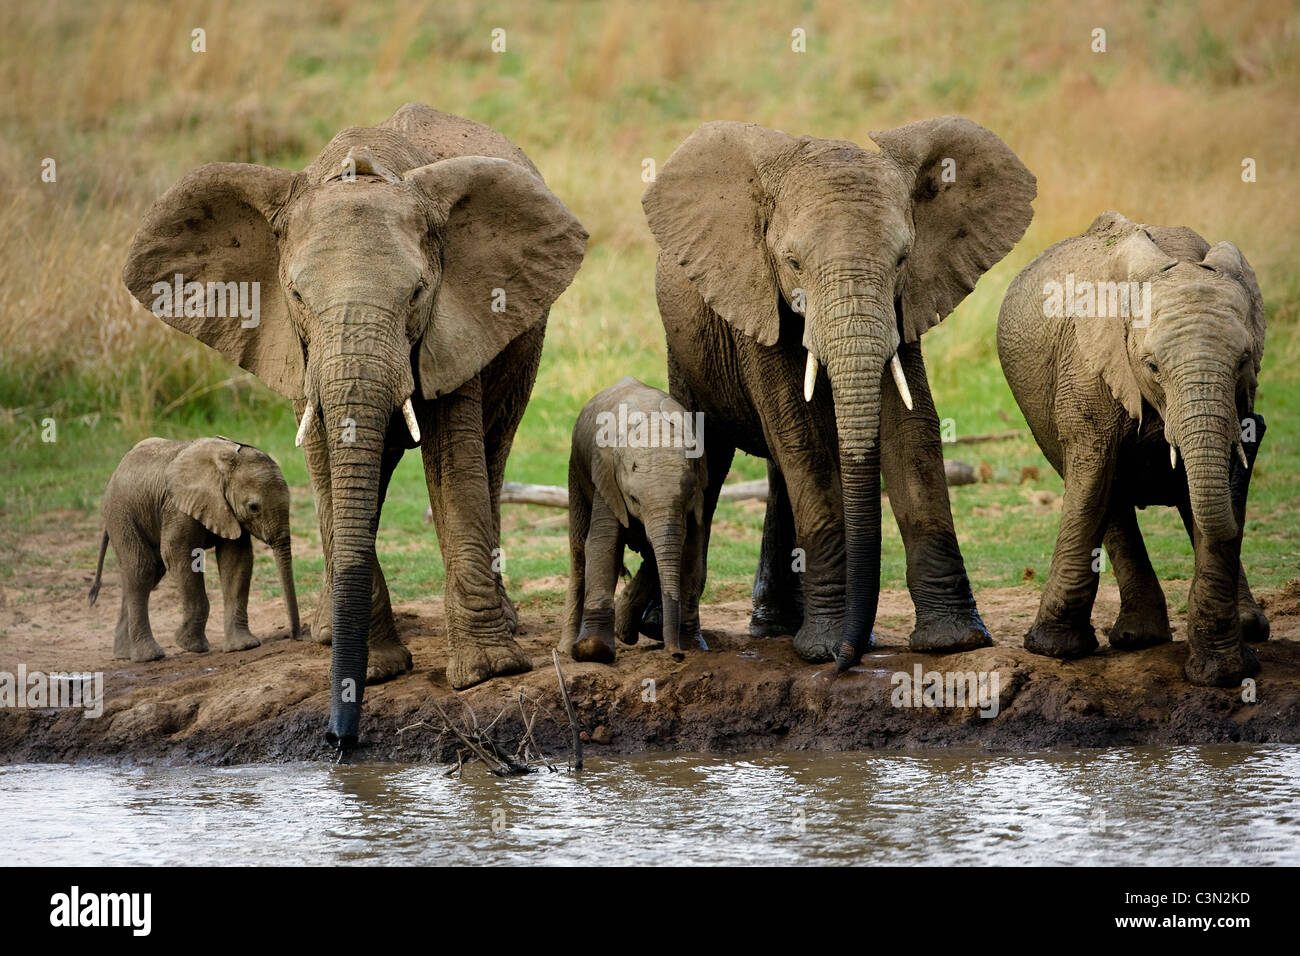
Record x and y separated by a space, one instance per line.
1133 352
166 504
636 477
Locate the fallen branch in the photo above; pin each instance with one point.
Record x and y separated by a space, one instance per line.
991 436
568 706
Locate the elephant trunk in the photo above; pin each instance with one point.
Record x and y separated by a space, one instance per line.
667 535
361 377
1206 433
855 359
283 551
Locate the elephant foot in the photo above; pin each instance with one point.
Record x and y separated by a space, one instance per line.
596 637
144 651
1221 668
1061 640
819 641
771 620
1136 628
322 632
387 660
188 639
474 661
241 640
652 621
594 649
1254 623
509 613
949 633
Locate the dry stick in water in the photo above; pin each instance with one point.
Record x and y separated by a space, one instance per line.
573 718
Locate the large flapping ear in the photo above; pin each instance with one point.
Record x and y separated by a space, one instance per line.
1131 255
1226 258
603 466
509 248
708 210
971 203
197 480
214 227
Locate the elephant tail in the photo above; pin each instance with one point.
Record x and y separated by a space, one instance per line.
99 568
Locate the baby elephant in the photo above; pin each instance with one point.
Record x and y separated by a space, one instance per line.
169 501
636 478
1133 352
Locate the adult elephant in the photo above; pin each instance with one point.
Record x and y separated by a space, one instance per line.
405 278
794 274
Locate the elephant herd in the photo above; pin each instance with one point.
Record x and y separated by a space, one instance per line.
405 280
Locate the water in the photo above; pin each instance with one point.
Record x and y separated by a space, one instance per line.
1182 805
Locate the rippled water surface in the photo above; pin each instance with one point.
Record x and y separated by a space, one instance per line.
1211 805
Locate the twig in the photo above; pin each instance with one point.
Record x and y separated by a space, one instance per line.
568 706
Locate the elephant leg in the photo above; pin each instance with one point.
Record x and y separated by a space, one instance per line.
579 524
388 657
778 603
1063 627
184 557
638 608
1143 615
604 556
455 468
235 565
122 632
692 587
911 462
1254 622
141 570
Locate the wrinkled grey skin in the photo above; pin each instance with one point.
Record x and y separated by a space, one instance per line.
880 246
1106 398
649 499
168 500
416 260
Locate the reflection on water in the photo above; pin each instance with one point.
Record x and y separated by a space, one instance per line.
1209 805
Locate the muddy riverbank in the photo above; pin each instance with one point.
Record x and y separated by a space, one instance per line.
270 704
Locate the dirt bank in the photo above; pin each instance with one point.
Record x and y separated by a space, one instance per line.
270 704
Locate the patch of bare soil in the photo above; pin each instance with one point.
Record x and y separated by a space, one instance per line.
271 703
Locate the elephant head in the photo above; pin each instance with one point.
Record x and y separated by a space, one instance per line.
231 488
1193 357
873 248
381 276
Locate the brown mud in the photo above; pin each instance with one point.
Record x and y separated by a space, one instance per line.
270 703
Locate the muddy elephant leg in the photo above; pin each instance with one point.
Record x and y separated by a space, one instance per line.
911 462
1064 624
638 608
604 557
235 565
141 570
1143 615
692 587
122 632
778 602
1254 622
579 524
455 470
185 558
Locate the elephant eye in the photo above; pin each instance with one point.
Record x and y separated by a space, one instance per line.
902 257
793 261
419 291
1152 367
254 507
293 294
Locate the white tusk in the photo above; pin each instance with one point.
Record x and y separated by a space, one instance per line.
303 426
1241 453
1173 456
809 377
408 412
896 366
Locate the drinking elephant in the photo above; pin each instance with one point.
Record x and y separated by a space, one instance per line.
1133 351
795 278
165 505
405 278
636 478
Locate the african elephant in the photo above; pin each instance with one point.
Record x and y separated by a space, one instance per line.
1133 351
787 261
636 477
405 280
165 505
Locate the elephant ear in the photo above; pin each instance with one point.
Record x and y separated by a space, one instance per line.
509 248
197 480
971 202
1103 340
708 210
603 466
1227 259
215 226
